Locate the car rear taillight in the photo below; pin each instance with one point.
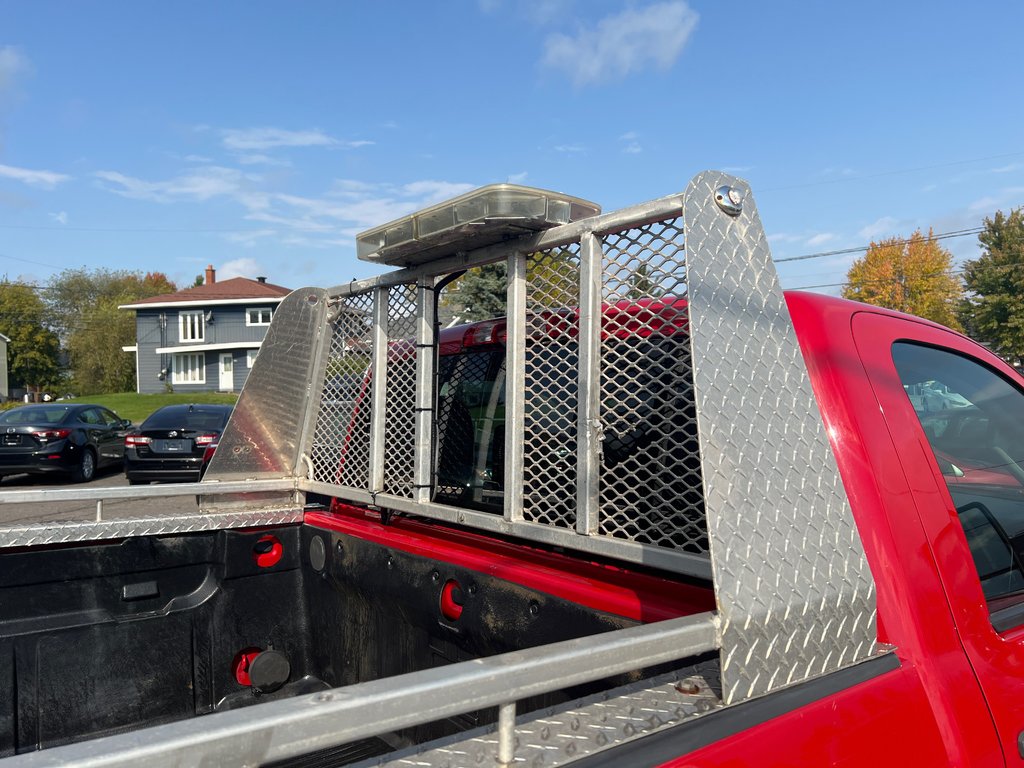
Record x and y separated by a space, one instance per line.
136 440
205 439
51 434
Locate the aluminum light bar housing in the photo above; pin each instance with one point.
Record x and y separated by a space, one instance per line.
479 218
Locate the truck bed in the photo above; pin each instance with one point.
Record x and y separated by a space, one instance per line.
105 637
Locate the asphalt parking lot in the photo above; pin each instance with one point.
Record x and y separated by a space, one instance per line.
21 513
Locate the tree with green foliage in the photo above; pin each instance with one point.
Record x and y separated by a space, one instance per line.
34 350
912 275
480 294
993 311
83 309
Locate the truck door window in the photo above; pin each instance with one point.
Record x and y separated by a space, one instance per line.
974 420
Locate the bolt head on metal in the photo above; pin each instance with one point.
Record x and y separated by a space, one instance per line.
729 199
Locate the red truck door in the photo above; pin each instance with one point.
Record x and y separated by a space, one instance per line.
956 416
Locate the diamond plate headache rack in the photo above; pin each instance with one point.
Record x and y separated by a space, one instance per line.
270 502
628 425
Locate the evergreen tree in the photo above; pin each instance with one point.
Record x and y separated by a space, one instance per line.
993 311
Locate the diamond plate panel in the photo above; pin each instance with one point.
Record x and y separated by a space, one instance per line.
340 452
561 735
552 365
67 532
400 409
650 490
261 438
794 591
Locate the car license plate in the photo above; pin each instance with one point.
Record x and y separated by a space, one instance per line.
172 446
12 439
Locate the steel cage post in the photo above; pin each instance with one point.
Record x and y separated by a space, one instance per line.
515 385
378 401
423 458
588 427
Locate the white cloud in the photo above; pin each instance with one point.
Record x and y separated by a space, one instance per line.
259 159
61 218
249 238
12 64
820 239
1003 199
349 206
261 139
623 44
41 179
883 226
569 149
240 268
632 140
1008 168
984 204
256 139
517 178
199 185
200 159
435 191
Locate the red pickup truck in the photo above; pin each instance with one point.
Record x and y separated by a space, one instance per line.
681 520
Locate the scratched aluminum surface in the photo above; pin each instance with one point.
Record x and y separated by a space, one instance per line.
67 532
262 438
794 591
561 735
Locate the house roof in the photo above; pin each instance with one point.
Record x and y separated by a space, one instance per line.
224 291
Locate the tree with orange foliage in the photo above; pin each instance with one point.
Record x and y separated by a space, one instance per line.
912 275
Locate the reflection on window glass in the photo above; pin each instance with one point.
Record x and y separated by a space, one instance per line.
471 430
974 420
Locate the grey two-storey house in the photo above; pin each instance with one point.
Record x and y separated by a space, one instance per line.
203 338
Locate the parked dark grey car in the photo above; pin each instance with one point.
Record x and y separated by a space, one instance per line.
175 443
61 437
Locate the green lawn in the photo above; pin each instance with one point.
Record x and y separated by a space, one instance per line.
129 405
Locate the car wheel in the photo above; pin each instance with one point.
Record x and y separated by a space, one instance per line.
86 469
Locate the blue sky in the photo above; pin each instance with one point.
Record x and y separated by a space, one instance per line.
261 136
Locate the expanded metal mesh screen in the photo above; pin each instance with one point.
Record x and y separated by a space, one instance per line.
648 482
400 414
340 452
651 488
551 392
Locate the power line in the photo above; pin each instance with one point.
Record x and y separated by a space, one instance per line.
904 241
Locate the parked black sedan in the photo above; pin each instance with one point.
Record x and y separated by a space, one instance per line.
175 443
60 437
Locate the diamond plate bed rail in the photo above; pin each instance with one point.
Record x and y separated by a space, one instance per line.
262 501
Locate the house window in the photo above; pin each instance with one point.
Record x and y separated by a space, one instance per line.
191 326
250 357
189 368
258 316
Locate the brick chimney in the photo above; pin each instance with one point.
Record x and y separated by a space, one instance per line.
211 275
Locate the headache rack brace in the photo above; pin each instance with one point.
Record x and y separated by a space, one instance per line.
657 410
